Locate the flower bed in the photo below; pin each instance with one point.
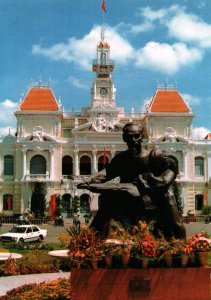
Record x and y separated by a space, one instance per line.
55 290
138 243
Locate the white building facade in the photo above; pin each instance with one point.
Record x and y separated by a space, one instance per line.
57 148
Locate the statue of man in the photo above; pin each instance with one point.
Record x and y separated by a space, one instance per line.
122 202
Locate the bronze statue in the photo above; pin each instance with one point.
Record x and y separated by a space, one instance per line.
158 197
125 202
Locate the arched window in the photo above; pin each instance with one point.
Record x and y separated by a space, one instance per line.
85 203
8 165
85 165
7 202
67 204
38 165
199 166
199 201
102 162
103 58
67 165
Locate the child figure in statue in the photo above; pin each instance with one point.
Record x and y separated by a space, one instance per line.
155 188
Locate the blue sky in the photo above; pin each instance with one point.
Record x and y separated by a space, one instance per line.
151 42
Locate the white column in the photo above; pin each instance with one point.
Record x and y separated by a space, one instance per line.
209 178
24 164
94 161
185 164
76 169
51 163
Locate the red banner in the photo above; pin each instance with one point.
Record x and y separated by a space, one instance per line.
103 6
8 203
52 206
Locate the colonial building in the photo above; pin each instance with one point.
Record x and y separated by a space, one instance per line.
56 148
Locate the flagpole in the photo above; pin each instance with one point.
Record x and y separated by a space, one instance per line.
103 6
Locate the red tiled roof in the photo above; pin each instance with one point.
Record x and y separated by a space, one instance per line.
208 136
168 101
103 45
39 99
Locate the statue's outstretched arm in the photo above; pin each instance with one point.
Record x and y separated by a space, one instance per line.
99 177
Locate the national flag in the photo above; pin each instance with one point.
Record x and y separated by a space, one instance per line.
103 6
104 157
8 203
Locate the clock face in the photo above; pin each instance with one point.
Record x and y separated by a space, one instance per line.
103 91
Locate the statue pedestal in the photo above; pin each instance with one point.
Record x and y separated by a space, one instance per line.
149 284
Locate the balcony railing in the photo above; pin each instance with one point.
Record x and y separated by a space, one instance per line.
98 62
37 177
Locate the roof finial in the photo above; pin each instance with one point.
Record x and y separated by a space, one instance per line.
40 79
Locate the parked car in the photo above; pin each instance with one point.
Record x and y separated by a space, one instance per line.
23 234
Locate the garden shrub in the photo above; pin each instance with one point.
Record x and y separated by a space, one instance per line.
37 261
59 289
31 246
64 239
9 268
31 263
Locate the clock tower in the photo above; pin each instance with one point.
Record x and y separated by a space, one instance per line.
103 91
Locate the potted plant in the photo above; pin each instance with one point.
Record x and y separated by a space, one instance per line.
148 250
201 246
108 250
186 253
144 244
80 241
93 254
166 250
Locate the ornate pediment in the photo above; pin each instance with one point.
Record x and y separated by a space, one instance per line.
38 135
100 124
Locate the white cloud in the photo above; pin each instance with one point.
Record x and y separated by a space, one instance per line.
81 51
191 100
153 15
8 103
5 131
166 58
76 82
190 28
126 29
180 24
7 118
199 133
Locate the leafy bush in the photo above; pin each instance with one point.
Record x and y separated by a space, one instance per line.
36 261
30 246
64 238
55 290
206 210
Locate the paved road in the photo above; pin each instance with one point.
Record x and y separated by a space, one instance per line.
53 231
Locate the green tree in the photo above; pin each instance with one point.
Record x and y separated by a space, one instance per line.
206 210
38 200
59 209
76 204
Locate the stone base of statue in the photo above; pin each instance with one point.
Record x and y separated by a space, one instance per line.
150 284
